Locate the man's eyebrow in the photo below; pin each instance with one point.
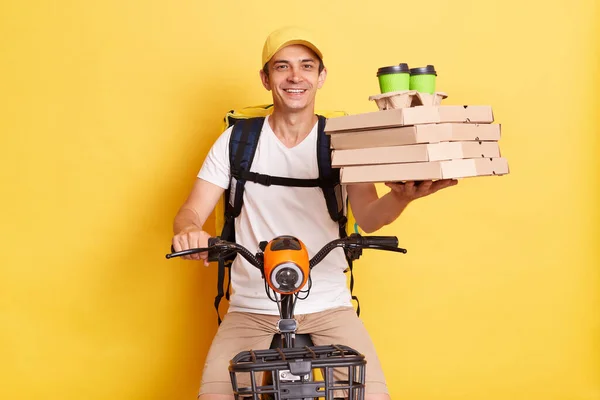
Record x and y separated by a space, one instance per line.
304 60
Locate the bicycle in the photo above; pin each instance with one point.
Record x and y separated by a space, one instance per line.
288 366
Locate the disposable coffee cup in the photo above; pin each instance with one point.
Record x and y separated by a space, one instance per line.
422 79
394 78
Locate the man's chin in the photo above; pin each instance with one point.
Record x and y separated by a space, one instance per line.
296 106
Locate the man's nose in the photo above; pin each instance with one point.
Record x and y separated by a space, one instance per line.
294 75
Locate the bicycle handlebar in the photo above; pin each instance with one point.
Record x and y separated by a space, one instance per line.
358 242
216 244
212 242
352 242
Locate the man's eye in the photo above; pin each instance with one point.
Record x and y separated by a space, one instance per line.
282 66
308 66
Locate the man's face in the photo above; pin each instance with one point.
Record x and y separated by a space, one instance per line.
294 78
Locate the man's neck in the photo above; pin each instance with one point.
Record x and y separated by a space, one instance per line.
292 128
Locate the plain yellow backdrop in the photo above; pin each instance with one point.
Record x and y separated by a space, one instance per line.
108 109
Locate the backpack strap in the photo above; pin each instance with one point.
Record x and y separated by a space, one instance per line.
334 195
355 298
268 180
242 147
332 188
242 172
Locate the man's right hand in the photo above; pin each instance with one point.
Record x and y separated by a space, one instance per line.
190 238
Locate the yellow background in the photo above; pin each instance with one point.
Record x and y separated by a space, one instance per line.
108 109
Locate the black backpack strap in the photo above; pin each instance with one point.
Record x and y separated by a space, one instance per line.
220 281
334 196
242 147
241 173
332 189
268 180
352 286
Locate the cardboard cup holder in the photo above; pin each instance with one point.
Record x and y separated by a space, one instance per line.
407 98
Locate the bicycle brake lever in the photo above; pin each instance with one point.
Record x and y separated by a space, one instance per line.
354 253
186 252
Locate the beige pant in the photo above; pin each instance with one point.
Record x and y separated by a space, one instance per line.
244 331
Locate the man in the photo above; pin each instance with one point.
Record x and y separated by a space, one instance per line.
293 71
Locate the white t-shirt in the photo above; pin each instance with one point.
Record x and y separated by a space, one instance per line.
270 211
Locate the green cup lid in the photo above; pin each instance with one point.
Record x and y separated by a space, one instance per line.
394 69
428 70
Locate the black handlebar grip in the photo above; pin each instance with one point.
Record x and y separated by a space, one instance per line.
389 241
212 241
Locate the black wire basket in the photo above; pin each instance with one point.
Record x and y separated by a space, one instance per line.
282 374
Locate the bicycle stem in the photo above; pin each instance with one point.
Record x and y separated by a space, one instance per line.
287 312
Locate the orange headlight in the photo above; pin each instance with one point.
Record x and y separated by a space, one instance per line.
286 264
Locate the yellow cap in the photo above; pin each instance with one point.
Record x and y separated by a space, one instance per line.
285 37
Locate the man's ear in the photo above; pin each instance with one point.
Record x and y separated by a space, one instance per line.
264 78
322 77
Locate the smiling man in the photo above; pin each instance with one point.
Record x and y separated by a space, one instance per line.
293 71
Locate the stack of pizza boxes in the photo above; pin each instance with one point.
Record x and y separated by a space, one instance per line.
413 137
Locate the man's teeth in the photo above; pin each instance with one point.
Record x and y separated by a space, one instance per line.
295 90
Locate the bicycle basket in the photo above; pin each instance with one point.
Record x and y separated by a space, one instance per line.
282 374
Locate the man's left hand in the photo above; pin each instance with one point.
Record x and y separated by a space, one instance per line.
411 190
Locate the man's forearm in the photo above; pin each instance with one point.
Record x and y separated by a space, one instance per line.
185 219
382 212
